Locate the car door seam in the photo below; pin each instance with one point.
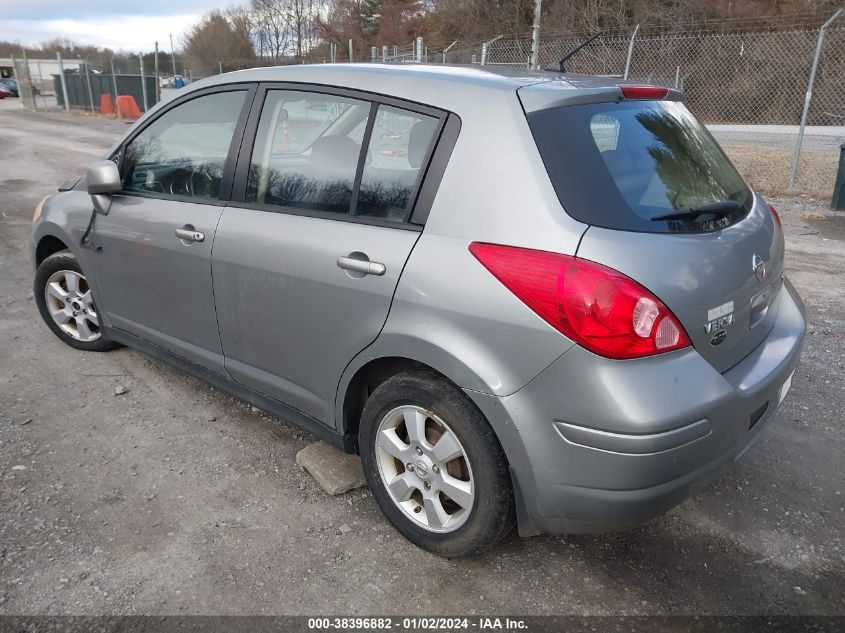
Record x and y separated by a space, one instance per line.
333 412
213 295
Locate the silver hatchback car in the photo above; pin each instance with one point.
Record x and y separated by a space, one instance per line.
522 297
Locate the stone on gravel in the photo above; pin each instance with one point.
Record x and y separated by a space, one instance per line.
120 390
335 471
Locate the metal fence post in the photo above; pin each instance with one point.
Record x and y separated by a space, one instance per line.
350 49
143 82
88 81
155 71
419 50
114 81
29 79
535 35
630 51
485 49
63 81
807 97
41 81
384 54
446 50
373 54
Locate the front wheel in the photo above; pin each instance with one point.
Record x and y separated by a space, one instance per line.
434 465
64 300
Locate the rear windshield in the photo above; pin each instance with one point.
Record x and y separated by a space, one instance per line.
618 165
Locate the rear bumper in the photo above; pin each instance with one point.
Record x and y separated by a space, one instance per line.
597 445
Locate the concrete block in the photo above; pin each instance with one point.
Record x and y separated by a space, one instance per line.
336 472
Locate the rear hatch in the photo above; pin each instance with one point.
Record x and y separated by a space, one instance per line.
667 208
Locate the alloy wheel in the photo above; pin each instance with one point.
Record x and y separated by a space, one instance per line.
69 302
424 468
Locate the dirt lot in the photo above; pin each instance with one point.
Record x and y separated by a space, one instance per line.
174 499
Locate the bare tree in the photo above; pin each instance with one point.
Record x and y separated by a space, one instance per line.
272 25
215 39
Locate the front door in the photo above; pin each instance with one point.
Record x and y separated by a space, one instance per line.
305 268
154 267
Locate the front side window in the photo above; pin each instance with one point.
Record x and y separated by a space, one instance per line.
183 152
399 144
306 151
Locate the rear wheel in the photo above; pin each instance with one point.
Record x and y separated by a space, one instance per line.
65 302
435 466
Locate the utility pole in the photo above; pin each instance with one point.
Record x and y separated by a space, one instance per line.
172 56
535 35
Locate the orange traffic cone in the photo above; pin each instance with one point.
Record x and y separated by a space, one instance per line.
106 105
127 108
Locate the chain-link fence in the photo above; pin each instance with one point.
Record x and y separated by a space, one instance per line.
732 74
34 89
732 78
47 84
748 78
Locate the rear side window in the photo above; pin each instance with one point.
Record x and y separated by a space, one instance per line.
399 144
619 165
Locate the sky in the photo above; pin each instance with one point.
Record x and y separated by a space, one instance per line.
129 25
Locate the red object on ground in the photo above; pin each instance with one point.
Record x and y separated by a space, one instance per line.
127 108
106 105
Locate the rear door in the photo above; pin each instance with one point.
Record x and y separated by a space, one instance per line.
667 208
308 255
154 265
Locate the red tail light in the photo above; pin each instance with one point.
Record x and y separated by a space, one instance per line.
776 217
595 306
644 92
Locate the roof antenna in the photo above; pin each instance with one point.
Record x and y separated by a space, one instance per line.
562 62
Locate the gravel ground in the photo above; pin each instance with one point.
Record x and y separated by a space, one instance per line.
171 498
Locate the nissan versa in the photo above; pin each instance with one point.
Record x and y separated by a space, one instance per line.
522 297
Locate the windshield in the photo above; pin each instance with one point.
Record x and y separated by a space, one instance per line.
620 165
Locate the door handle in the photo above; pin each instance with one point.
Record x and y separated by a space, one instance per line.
363 266
189 234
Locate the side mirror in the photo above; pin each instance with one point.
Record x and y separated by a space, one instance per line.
103 179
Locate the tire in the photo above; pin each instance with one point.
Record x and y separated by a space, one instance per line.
426 515
81 328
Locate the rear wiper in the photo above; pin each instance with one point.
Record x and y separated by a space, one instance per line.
725 207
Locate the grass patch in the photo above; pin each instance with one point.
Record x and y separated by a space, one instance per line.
767 169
